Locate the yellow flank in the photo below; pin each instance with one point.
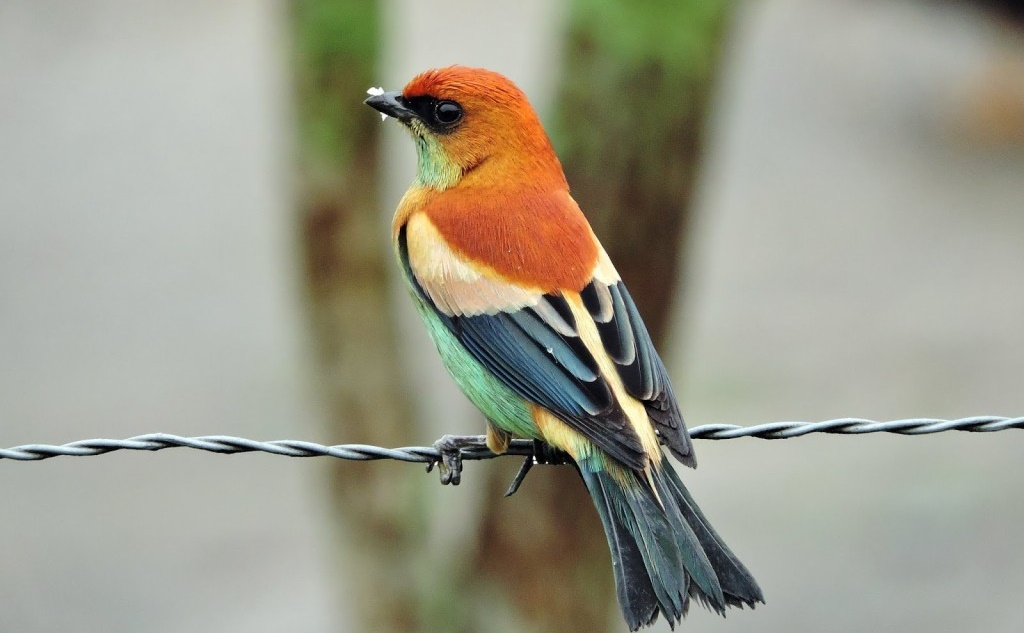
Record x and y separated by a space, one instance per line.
457 286
561 435
634 409
497 439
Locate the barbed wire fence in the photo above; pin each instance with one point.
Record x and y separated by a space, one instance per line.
225 444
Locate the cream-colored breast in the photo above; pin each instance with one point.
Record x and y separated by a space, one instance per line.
457 286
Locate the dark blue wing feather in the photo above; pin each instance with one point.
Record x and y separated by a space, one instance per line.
545 363
625 336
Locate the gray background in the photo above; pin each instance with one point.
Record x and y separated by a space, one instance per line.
859 252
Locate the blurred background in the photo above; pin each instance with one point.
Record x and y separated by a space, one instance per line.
818 204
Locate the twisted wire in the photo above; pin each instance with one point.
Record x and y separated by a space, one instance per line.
227 444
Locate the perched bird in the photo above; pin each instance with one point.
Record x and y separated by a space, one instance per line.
534 324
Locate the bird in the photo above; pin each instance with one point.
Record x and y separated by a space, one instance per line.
538 330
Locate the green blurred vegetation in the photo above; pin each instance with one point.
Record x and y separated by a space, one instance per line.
640 67
629 130
336 52
630 113
379 535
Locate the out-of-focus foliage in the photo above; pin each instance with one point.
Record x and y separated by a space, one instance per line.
680 34
639 70
631 109
629 117
347 274
629 125
336 49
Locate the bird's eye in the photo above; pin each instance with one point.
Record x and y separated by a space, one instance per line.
447 113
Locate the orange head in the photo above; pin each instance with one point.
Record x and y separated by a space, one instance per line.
472 127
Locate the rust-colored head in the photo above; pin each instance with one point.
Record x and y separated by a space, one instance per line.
472 127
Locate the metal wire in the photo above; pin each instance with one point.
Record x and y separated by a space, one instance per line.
426 454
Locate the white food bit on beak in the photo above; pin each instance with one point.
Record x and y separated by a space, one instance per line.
376 92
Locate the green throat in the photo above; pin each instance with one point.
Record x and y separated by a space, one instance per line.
434 169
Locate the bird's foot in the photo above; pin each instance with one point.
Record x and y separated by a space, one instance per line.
449 459
542 454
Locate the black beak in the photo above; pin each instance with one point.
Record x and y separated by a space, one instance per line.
391 104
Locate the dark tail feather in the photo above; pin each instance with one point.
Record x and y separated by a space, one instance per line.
738 586
663 550
632 583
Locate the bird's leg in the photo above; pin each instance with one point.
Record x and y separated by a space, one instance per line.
543 453
449 461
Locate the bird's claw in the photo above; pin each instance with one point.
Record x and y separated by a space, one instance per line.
449 467
449 458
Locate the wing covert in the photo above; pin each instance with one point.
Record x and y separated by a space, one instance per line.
535 351
628 343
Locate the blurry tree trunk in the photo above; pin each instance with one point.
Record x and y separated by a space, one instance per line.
349 307
629 121
635 90
630 132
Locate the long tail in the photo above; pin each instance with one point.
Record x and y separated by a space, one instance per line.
664 551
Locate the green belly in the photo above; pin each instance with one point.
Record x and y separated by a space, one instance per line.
498 403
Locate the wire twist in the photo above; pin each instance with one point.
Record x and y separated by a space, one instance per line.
227 444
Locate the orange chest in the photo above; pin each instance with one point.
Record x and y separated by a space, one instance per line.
542 241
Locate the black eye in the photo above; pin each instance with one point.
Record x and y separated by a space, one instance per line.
447 113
